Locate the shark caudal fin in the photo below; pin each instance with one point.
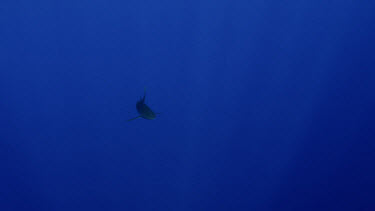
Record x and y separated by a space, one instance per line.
144 95
134 118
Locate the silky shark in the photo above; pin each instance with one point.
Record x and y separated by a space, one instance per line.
144 111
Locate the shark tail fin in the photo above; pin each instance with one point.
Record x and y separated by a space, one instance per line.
134 118
144 95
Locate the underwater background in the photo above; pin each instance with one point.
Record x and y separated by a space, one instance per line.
264 105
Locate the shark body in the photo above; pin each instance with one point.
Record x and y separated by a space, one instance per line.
144 111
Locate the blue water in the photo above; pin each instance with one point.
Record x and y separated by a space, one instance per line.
265 105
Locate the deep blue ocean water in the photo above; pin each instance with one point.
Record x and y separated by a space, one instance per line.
265 105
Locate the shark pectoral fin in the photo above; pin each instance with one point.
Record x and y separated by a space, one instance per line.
134 118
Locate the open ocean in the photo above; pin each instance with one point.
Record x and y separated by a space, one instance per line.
261 105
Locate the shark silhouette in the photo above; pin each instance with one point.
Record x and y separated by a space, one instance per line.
144 111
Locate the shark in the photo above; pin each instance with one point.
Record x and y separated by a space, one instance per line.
144 111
